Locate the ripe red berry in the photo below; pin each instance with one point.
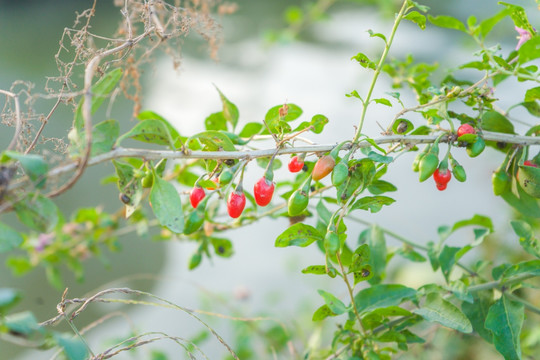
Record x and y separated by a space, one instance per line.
263 191
465 129
296 164
529 163
442 177
441 187
236 203
196 195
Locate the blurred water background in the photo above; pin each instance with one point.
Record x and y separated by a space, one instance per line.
315 73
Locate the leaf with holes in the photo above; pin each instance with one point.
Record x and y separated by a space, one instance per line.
298 235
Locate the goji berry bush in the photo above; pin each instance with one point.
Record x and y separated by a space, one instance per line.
191 187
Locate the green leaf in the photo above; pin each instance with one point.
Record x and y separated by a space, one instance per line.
360 258
215 121
531 267
19 265
374 237
496 122
522 202
128 185
477 313
441 311
9 238
104 87
479 220
378 187
372 203
447 22
324 214
361 173
530 50
38 213
23 323
488 24
99 91
333 303
104 136
293 112
383 101
380 158
318 122
397 128
505 319
34 166
382 295
416 18
230 111
298 235
222 247
527 239
315 270
73 347
150 115
364 273
166 205
150 131
447 259
519 16
8 298
213 141
322 313
532 94
364 61
408 253
250 129
422 8
374 34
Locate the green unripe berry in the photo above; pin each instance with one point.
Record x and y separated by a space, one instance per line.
148 180
428 165
476 148
298 202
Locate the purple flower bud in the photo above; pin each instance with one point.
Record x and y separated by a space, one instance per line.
43 240
524 36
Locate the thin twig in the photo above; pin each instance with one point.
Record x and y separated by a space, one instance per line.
18 118
87 109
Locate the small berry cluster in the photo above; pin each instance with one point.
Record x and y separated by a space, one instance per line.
263 190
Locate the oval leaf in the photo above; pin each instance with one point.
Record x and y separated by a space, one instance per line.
505 319
166 205
298 235
436 309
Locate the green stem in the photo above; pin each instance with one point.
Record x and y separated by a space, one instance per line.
351 294
379 68
499 283
525 303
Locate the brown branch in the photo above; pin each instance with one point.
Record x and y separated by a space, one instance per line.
87 108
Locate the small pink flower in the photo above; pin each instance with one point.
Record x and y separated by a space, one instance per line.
43 240
524 35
